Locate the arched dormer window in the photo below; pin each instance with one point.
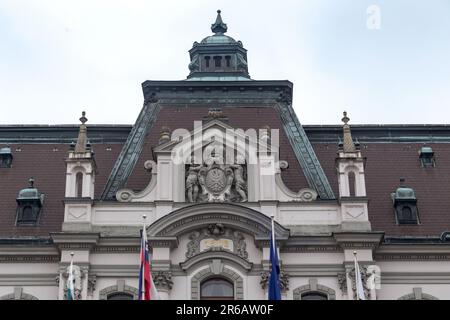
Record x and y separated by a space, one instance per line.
29 204
79 185
405 204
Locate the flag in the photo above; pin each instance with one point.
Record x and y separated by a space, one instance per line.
147 289
358 281
70 281
274 277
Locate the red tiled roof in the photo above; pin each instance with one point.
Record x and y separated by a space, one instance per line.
386 163
48 168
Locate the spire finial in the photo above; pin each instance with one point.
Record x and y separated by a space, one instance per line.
31 182
83 118
345 119
348 144
82 135
219 27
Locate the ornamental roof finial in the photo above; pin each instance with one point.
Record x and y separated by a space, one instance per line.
348 145
219 27
82 135
31 182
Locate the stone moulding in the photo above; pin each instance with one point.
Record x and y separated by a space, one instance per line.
226 273
303 195
234 216
128 195
313 286
119 287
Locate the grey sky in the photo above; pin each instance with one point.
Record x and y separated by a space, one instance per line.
58 57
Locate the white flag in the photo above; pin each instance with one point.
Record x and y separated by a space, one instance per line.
70 280
359 285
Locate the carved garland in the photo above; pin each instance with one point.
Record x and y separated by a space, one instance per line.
284 280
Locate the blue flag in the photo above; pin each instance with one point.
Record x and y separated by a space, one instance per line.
274 278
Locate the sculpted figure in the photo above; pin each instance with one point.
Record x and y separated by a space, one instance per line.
194 65
239 181
192 182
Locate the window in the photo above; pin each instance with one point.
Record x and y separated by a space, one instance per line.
79 185
351 184
27 214
228 61
405 204
5 157
426 156
29 204
314 296
407 214
207 58
216 289
120 296
217 61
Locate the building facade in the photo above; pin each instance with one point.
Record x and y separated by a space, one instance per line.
208 162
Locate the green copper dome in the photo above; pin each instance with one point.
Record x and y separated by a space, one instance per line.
218 39
218 57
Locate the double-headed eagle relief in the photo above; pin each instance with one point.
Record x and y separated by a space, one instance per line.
214 181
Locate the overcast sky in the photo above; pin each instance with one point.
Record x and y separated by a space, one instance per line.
59 57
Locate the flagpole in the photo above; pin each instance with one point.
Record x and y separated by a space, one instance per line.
272 217
274 292
143 247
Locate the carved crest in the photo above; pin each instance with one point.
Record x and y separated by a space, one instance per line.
216 236
216 182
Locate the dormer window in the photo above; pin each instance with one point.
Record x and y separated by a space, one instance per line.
426 156
405 205
5 157
29 205
207 58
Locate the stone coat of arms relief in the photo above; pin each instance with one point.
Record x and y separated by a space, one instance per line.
214 181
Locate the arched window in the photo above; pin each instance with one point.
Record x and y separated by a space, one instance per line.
216 289
119 296
351 184
79 185
27 214
314 296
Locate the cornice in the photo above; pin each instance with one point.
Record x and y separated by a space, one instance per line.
75 240
355 240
